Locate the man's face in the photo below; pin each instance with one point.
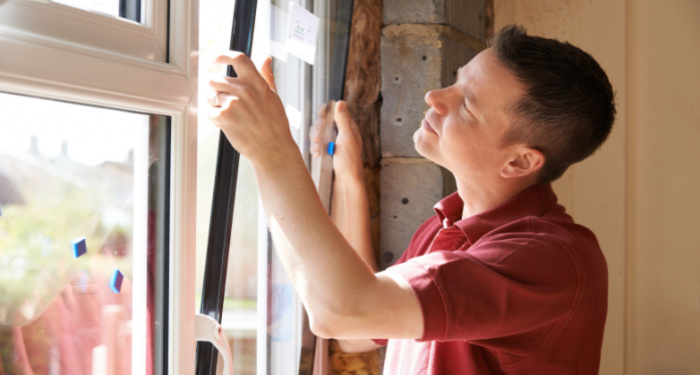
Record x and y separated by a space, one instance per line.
464 127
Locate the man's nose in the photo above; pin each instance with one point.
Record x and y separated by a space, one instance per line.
436 99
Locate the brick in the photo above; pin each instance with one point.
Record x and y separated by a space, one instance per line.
410 187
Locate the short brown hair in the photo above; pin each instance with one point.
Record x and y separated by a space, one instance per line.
568 108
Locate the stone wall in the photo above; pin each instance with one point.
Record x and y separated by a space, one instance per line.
423 44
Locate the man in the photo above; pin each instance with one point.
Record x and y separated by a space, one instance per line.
500 280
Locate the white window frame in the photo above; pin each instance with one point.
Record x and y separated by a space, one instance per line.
90 71
64 26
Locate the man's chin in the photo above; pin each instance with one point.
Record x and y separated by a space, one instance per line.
418 143
422 151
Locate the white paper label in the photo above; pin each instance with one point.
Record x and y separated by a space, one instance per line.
302 33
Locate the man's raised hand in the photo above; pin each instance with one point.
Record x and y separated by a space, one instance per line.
248 109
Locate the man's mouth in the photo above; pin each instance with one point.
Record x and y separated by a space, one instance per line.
427 126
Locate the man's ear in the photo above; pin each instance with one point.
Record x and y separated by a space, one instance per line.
526 161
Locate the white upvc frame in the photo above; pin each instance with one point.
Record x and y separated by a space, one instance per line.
65 25
35 64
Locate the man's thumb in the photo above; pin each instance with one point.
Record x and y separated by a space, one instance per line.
266 72
342 115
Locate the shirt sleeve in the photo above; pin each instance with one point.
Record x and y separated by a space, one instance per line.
497 288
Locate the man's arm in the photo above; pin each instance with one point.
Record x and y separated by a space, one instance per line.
344 297
357 346
350 206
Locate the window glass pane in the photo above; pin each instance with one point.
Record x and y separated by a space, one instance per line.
239 317
83 229
128 9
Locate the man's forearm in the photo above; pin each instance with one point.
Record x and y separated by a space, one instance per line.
314 253
350 213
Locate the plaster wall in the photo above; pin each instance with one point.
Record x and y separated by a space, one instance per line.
639 192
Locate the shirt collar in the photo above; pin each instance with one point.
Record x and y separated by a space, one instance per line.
533 201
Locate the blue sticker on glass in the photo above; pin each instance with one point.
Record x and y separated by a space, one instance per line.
116 283
79 246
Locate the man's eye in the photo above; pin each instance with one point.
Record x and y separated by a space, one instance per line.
466 108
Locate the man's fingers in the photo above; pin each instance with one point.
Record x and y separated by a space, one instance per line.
213 99
324 123
247 78
241 63
267 73
326 109
214 116
225 90
225 85
314 133
342 116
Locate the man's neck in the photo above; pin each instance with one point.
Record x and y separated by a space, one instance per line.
480 198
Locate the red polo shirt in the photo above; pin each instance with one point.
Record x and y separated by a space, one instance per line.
519 289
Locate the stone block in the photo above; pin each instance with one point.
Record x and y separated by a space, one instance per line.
410 187
416 59
467 16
